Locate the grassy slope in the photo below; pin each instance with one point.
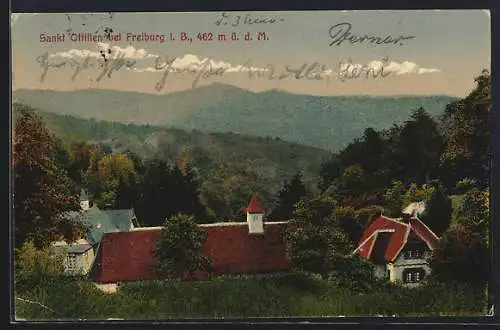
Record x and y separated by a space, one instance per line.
232 297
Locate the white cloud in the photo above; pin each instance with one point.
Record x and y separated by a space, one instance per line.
394 67
194 63
128 52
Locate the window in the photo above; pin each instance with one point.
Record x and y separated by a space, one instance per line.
413 275
71 262
414 254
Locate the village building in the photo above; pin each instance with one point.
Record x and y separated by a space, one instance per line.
399 248
234 247
79 255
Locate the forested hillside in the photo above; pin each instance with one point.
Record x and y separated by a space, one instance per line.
231 167
328 123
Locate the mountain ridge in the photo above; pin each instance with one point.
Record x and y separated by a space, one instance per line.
325 122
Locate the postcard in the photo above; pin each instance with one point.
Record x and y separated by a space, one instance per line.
236 165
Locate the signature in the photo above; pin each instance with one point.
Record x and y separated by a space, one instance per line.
342 32
107 65
226 19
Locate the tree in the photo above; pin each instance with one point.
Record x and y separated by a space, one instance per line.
394 198
164 191
466 124
112 180
438 211
420 146
180 248
462 255
349 222
353 181
417 193
463 252
329 172
474 211
313 239
290 194
42 189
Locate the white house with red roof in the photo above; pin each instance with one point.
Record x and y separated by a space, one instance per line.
399 248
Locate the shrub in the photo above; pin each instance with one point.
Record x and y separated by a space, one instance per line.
355 274
32 264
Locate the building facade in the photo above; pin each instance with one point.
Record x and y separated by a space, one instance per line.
399 249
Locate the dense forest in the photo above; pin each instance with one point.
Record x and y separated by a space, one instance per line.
163 172
227 168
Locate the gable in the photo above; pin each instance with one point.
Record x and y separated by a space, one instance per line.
395 242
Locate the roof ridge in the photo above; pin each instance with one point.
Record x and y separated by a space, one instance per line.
395 220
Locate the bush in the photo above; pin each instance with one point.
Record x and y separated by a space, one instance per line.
355 274
33 264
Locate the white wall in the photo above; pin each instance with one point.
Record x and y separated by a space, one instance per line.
85 205
255 223
107 287
400 264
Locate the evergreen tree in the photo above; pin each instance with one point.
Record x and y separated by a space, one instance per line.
288 196
438 211
165 191
419 149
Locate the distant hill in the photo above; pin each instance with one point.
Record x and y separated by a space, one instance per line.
329 123
230 165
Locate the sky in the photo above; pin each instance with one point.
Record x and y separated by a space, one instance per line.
441 52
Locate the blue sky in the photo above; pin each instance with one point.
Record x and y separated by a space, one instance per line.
449 48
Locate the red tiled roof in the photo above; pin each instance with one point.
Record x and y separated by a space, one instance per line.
128 256
424 232
398 237
254 206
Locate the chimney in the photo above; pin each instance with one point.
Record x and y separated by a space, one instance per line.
255 214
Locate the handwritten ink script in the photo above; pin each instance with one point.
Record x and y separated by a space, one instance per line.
341 32
108 63
234 20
